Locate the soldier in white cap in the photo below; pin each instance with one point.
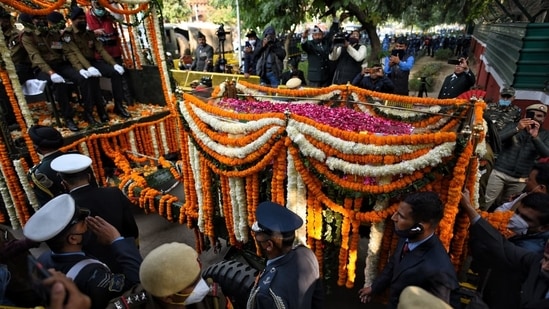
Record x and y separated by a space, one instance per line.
521 144
291 278
64 227
108 203
170 278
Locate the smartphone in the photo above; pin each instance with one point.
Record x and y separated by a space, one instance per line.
248 44
454 61
37 273
530 114
398 52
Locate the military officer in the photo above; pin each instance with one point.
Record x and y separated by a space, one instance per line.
45 49
291 278
64 227
80 50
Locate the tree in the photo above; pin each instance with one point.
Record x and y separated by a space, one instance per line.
175 11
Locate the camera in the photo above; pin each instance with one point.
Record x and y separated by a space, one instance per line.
398 52
340 38
221 33
454 61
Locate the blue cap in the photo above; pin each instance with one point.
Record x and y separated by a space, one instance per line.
273 217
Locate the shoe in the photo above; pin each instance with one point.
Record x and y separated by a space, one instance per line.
104 118
122 112
71 125
89 118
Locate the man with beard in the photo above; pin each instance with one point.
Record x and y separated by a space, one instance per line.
349 57
64 227
398 66
521 144
291 278
203 55
458 82
488 244
80 49
419 259
317 51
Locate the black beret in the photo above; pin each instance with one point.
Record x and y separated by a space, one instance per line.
273 217
46 137
76 12
55 17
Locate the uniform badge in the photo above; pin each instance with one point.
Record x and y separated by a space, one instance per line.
117 283
67 38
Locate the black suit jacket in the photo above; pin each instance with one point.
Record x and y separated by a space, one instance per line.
113 206
427 266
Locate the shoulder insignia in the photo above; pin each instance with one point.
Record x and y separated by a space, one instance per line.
117 283
125 301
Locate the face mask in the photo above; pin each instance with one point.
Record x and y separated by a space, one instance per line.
518 225
353 40
252 42
503 102
81 25
199 292
99 12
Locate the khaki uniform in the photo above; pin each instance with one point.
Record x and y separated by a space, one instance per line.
17 52
81 48
44 50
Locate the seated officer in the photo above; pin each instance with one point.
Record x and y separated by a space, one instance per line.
64 227
291 278
170 278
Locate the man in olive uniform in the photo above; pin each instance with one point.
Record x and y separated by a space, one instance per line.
45 49
80 50
170 278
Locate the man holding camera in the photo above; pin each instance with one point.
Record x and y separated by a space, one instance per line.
458 82
349 55
269 59
521 144
317 51
374 79
398 66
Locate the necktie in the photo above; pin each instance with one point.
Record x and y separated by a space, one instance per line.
405 250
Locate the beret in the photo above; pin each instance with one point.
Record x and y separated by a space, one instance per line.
76 12
510 91
55 17
169 268
45 137
537 107
251 34
274 217
52 218
71 163
293 83
413 297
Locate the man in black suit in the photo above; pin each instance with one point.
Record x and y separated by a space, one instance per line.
419 259
108 203
458 82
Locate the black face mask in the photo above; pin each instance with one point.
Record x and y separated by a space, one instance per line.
353 41
81 25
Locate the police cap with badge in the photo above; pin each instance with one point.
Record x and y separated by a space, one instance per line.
54 219
537 107
275 218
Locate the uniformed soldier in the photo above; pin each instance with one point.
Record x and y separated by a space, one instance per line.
80 50
45 49
291 279
170 278
64 227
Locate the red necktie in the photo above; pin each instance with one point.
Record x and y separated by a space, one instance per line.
405 250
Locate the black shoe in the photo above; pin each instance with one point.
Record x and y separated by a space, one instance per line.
89 118
122 112
104 118
71 125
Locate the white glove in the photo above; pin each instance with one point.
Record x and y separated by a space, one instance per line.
94 72
56 78
84 73
118 68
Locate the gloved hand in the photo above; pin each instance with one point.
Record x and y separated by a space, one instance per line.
84 73
118 68
94 72
56 78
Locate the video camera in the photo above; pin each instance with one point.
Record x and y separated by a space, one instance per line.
340 38
221 33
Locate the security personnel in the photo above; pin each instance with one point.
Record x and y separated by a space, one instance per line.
64 227
18 54
81 47
108 203
170 278
291 278
45 49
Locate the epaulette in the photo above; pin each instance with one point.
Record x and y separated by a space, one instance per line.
127 301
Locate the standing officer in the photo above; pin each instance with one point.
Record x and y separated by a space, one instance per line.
45 49
458 82
317 51
81 47
64 227
291 278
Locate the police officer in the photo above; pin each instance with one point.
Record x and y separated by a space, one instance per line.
81 47
170 278
291 278
64 227
45 49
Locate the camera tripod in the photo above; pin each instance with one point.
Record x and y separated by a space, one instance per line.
423 87
221 65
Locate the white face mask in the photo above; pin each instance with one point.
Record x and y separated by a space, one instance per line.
199 292
518 225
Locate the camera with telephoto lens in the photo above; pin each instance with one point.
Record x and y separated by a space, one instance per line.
340 38
221 33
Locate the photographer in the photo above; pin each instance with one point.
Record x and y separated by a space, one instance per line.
374 79
317 51
251 45
398 66
269 59
458 82
349 57
203 55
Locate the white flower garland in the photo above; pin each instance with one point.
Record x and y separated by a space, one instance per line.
419 110
164 138
238 152
194 159
133 144
163 64
134 2
240 213
305 146
233 126
22 175
85 150
296 199
152 130
432 158
8 200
